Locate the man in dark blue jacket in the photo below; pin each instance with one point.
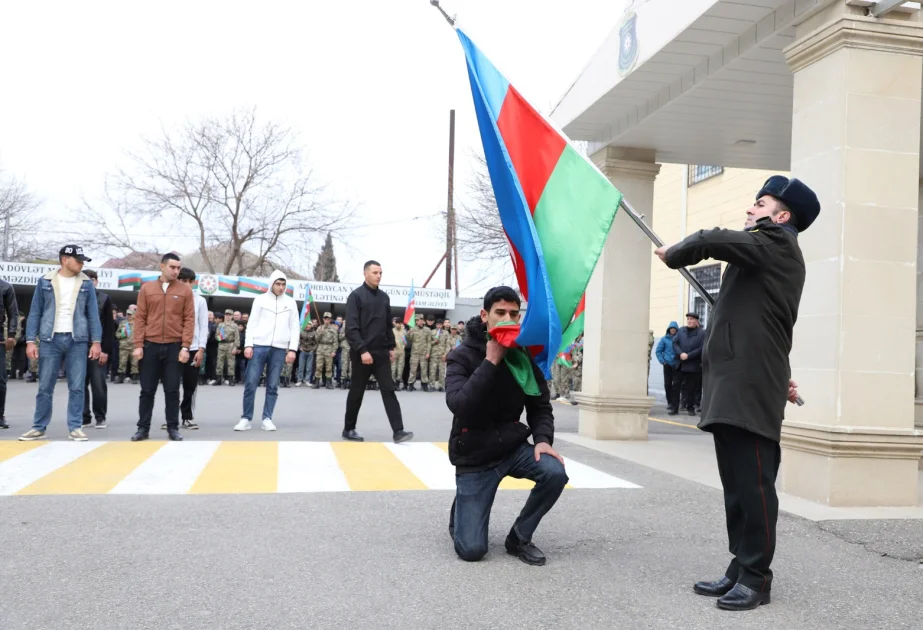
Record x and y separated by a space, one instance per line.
687 345
486 387
670 363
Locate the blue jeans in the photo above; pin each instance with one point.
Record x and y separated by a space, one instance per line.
305 367
272 359
61 349
475 492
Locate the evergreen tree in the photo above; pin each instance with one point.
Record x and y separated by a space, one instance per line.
326 268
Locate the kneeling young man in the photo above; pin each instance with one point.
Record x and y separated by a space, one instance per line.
488 442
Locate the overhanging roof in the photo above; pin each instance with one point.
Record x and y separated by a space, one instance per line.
712 86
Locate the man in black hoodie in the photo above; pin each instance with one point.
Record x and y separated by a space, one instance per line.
488 442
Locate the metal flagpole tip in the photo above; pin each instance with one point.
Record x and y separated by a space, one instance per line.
450 20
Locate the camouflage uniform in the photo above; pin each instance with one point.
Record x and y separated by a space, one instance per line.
420 339
346 364
125 334
562 377
286 374
397 365
327 339
439 347
33 363
650 349
228 336
578 368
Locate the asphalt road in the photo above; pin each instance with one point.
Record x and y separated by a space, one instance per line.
618 558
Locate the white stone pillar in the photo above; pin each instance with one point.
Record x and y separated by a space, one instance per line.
614 404
856 142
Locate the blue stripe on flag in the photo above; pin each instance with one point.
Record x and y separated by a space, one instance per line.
541 325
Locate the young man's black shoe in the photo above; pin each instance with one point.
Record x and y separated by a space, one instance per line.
140 435
174 435
742 598
525 551
402 436
3 424
352 436
673 412
714 589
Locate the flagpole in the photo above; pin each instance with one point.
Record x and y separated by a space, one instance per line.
450 20
639 220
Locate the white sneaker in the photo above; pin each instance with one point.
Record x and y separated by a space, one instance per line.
78 435
298 384
243 425
268 425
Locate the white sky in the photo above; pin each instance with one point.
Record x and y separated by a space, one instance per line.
367 83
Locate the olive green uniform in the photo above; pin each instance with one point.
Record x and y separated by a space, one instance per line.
346 364
400 348
125 334
327 339
420 339
439 347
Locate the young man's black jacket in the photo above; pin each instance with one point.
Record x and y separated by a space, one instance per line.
106 309
8 297
368 321
487 403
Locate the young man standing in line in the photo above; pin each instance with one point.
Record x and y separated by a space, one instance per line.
272 339
197 350
164 329
96 368
11 312
65 316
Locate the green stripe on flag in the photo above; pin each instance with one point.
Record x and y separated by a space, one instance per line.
572 332
573 218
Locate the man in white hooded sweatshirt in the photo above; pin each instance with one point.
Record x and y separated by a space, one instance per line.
272 339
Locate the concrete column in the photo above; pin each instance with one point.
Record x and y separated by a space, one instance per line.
918 385
856 142
614 404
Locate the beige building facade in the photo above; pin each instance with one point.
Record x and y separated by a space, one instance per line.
828 91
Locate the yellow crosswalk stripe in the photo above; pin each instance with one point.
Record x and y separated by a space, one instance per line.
240 468
97 472
371 466
12 449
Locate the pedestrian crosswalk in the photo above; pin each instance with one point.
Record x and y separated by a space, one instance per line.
233 467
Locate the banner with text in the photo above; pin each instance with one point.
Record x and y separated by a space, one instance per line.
233 286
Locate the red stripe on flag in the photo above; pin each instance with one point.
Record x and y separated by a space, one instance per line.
580 307
519 268
533 145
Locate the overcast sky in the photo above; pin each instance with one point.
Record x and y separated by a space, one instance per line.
368 84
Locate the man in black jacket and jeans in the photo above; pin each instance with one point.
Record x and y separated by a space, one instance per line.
96 368
687 380
9 313
371 349
488 442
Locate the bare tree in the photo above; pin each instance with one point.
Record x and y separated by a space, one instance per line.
242 186
478 229
20 223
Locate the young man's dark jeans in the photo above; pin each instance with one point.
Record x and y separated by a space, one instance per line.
475 492
160 364
273 359
95 381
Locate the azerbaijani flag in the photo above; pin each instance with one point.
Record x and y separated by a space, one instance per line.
306 309
135 280
556 207
252 285
410 315
229 284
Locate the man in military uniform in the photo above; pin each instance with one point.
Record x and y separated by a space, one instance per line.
562 376
400 345
420 339
577 354
125 335
228 335
439 348
307 346
650 350
285 379
327 340
345 364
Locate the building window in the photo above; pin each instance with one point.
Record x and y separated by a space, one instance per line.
699 173
709 276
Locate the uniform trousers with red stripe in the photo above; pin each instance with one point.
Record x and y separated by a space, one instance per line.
748 464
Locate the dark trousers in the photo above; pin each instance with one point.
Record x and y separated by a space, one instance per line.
688 385
381 368
160 364
748 465
95 381
475 492
669 387
211 360
190 384
3 381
